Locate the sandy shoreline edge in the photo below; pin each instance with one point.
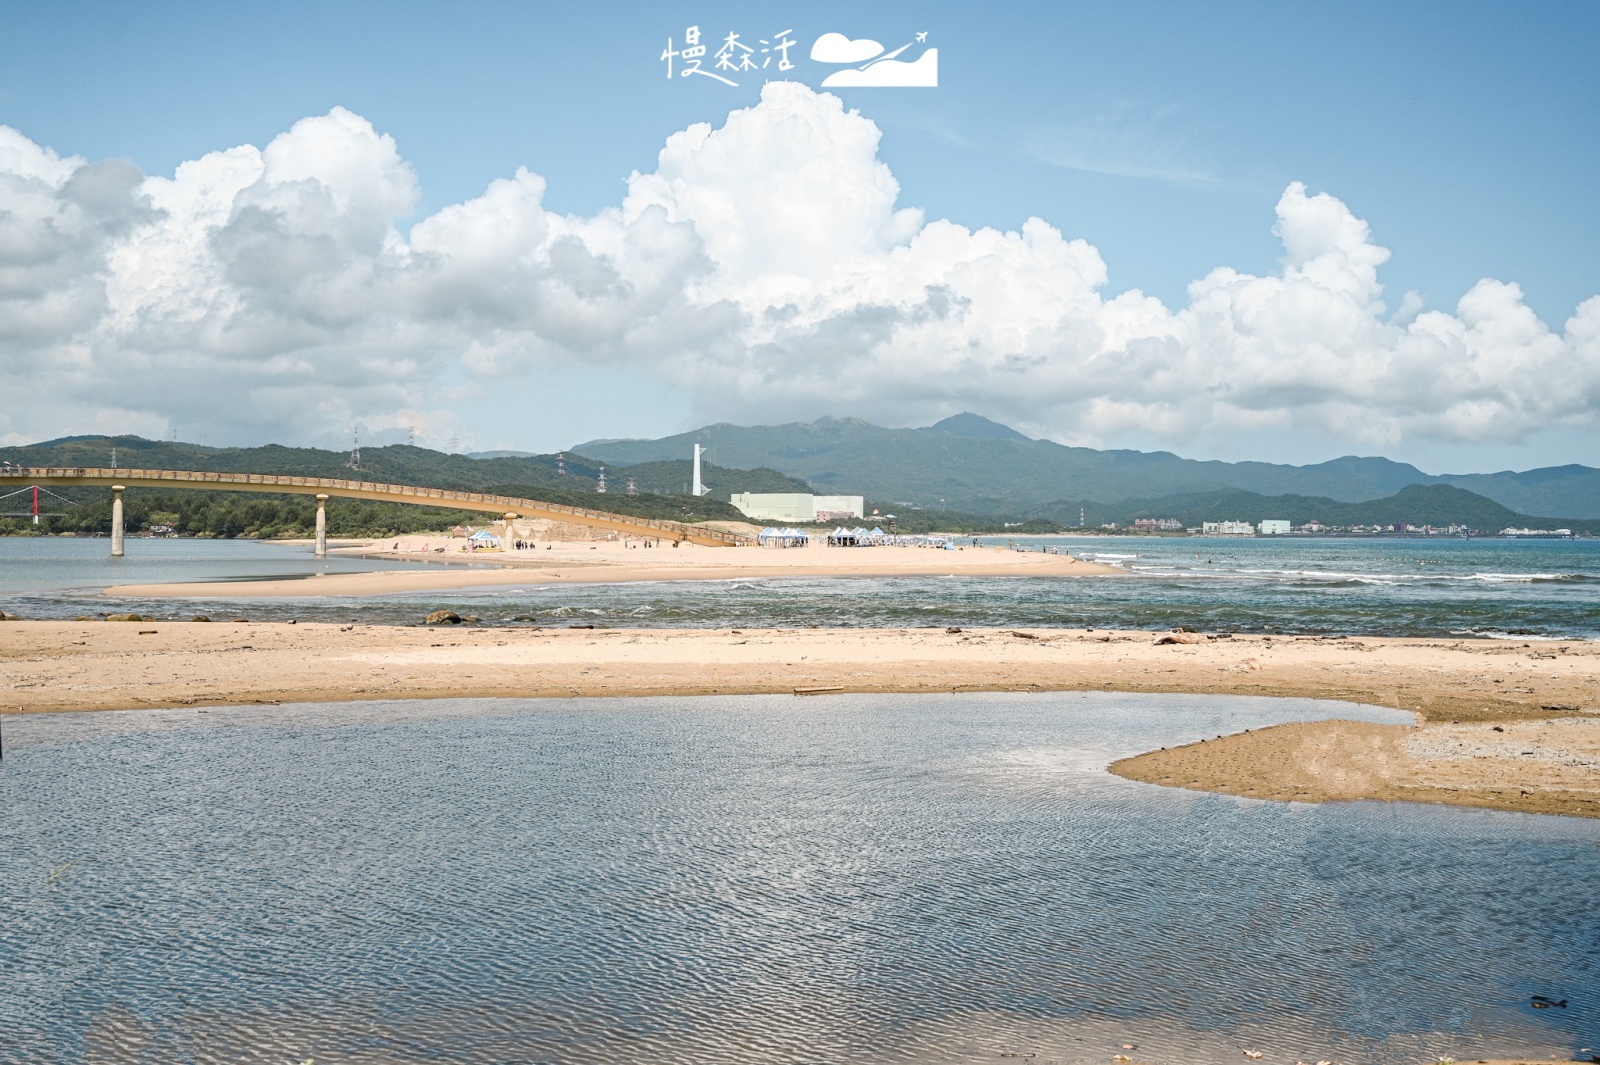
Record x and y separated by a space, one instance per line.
1505 725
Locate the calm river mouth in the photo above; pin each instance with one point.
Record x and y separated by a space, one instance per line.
755 879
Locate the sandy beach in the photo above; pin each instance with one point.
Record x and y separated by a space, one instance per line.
1542 695
609 561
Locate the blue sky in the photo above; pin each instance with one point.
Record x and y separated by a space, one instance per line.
1466 135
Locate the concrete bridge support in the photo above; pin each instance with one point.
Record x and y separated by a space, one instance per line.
322 526
116 519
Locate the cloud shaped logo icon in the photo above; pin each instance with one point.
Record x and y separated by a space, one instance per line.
890 74
878 70
837 48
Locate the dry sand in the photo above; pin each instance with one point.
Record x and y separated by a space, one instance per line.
1546 697
605 562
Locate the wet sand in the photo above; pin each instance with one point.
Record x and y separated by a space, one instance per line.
617 561
1536 766
1546 697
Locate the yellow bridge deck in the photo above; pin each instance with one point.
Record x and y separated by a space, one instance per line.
390 493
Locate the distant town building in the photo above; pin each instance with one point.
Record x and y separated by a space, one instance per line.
1273 527
1158 524
1228 528
1543 534
797 506
1313 526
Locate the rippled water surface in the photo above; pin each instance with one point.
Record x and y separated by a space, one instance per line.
764 879
1539 588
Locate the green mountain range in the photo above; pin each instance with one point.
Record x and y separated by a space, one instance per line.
971 464
659 486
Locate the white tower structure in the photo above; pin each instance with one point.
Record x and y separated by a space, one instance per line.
699 488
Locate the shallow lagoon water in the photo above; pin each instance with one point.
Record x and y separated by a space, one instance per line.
70 571
758 879
1440 587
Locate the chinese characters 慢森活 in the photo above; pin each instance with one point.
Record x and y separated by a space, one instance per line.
734 57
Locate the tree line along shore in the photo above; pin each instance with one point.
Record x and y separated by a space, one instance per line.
229 515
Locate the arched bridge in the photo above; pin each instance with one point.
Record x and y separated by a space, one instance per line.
325 487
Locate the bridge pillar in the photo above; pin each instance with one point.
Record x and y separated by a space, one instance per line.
322 526
116 519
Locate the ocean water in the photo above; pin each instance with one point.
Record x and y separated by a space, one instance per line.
760 879
1443 587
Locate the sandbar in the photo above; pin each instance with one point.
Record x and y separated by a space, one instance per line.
1545 765
1544 696
609 562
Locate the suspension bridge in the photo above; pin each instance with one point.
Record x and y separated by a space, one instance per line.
507 508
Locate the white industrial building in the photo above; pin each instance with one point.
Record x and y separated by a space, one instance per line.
798 506
1273 527
1228 528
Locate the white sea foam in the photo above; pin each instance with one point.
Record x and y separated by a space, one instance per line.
1396 578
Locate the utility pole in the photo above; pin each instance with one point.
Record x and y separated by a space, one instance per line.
601 487
561 463
633 489
355 449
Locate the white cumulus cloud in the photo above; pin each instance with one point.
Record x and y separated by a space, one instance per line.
766 266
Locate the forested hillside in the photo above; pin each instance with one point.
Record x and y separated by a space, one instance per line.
88 510
660 488
971 464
